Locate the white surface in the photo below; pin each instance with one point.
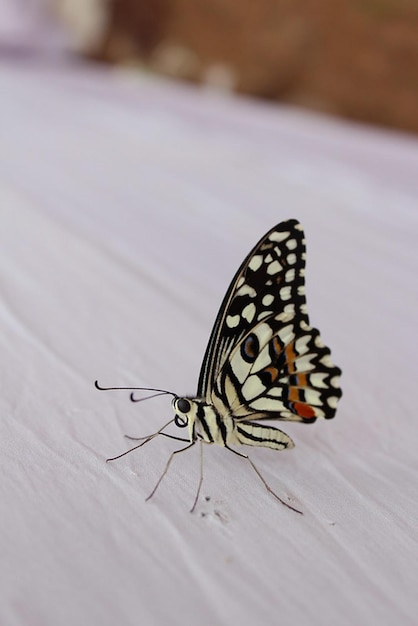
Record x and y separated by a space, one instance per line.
126 207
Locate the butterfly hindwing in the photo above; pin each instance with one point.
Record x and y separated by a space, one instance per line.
263 360
290 376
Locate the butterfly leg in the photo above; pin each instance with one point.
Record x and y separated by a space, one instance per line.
263 480
149 437
170 458
119 456
200 478
145 440
269 489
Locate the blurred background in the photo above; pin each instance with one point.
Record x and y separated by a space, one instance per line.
356 59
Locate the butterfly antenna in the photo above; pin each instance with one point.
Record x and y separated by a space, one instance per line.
157 392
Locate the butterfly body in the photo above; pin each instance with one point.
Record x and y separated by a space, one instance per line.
206 424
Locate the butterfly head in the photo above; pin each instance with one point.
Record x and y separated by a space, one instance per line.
182 407
185 410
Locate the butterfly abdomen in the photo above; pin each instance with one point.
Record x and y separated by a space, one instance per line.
223 430
251 434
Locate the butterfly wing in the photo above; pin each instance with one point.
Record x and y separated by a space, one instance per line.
263 360
280 370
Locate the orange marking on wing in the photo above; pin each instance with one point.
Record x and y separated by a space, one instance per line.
293 394
290 358
274 373
302 380
277 346
304 410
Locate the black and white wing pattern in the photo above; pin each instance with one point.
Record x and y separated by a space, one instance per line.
264 360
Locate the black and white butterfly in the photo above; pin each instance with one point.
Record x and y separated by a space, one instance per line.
263 362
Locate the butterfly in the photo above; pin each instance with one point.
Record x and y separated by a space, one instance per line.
263 362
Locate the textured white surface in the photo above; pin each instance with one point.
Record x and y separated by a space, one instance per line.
126 207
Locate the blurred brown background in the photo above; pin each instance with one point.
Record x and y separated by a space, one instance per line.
354 58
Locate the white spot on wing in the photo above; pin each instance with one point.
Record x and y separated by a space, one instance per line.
332 402
240 367
279 236
252 388
263 360
313 397
285 293
289 308
318 380
302 344
290 275
249 312
291 258
264 314
264 334
303 363
291 244
255 262
286 334
326 360
246 290
268 404
268 299
274 268
232 321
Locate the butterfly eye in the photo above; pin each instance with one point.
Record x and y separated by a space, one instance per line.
183 405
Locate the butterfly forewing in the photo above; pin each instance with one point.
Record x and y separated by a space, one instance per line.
269 281
263 360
